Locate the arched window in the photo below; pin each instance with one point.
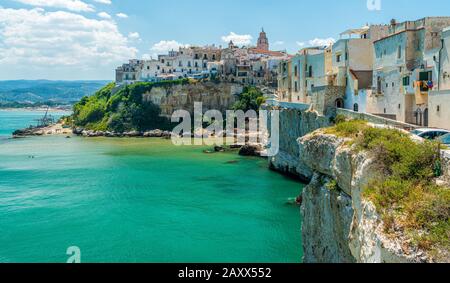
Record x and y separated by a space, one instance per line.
339 103
356 107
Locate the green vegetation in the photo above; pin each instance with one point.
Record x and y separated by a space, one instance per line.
251 99
126 110
332 186
405 192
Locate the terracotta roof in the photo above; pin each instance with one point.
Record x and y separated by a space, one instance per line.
267 52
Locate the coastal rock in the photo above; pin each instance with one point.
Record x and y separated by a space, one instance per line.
290 165
295 123
219 149
327 217
153 134
77 131
339 225
132 134
369 244
318 151
251 150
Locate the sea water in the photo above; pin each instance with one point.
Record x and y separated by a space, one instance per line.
139 200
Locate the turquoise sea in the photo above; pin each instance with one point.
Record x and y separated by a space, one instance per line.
139 200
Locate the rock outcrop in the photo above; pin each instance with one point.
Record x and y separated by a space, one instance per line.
338 224
251 150
214 96
132 134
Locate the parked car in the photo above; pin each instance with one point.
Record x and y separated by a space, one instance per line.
429 134
445 139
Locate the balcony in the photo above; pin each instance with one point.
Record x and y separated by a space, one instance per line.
424 86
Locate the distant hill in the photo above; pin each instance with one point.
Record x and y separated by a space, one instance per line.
39 91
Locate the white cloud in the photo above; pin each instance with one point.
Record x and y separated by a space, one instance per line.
72 5
238 39
165 46
322 41
317 42
107 2
279 42
134 35
122 15
104 15
39 39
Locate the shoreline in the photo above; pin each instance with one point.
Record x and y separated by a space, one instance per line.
38 109
59 129
55 129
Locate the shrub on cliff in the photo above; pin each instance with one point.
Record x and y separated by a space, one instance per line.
126 110
250 99
405 192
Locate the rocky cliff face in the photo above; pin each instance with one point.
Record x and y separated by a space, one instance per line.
220 96
338 225
294 124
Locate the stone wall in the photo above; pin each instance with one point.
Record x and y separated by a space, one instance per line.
439 109
375 119
324 99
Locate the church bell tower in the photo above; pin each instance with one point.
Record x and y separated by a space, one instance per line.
263 42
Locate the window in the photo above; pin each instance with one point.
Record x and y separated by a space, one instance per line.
338 58
406 81
310 71
378 84
356 107
399 52
296 71
296 87
438 108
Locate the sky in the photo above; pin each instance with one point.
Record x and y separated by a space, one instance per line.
88 39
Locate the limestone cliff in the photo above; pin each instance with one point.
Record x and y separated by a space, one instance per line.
217 96
338 225
294 124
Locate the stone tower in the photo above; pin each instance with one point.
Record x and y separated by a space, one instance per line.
263 42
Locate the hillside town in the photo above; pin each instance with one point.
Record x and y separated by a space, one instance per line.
245 65
398 70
